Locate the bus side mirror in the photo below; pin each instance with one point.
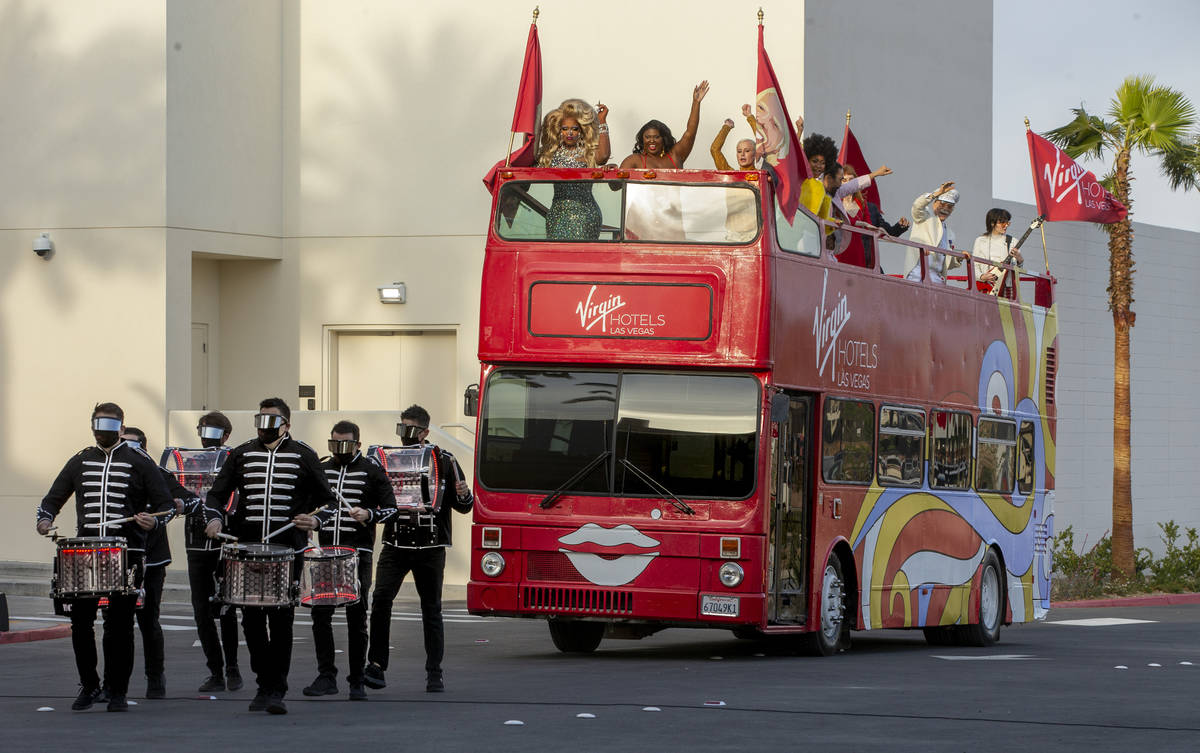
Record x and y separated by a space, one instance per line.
780 404
471 401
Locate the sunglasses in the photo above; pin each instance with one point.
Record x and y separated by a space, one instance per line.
210 432
268 421
342 446
104 423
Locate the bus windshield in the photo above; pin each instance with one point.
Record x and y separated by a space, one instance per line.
695 434
612 211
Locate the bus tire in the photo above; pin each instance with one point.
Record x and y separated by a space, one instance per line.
576 636
833 631
989 614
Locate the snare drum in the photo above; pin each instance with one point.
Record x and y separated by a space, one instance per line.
89 567
257 575
329 577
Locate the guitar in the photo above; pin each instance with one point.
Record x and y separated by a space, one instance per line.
1002 275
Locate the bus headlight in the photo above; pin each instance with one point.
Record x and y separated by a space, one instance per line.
492 564
731 574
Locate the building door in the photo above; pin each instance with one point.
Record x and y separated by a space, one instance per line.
199 366
788 569
391 370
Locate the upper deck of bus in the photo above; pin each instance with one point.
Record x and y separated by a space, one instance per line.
698 269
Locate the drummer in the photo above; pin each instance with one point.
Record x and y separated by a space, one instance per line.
369 500
282 493
158 556
111 481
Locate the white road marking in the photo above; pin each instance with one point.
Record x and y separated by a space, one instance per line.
991 657
1099 622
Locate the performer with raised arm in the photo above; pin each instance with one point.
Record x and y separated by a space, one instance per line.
282 493
117 492
368 499
654 147
416 542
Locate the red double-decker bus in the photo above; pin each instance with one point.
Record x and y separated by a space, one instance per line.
691 414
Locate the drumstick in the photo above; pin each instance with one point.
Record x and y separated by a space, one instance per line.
227 536
132 517
278 531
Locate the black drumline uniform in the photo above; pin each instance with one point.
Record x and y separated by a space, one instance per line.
204 566
158 556
363 484
273 486
416 542
108 485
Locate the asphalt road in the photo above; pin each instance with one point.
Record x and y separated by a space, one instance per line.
1046 686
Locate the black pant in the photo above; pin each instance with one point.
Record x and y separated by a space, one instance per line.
147 619
117 642
356 628
203 567
270 650
427 567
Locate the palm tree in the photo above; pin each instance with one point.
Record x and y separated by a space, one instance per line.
1154 121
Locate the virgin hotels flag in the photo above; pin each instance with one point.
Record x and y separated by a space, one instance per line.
780 147
1067 192
525 114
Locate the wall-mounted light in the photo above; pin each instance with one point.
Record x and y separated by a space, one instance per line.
394 293
43 246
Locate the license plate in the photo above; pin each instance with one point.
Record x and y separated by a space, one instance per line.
719 606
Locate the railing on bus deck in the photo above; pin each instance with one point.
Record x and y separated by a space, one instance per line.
904 259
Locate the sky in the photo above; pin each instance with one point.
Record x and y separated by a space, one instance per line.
1049 57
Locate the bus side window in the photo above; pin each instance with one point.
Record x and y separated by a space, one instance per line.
1025 458
996 456
901 446
949 450
848 441
800 236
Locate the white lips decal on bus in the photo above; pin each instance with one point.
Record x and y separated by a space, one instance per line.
608 572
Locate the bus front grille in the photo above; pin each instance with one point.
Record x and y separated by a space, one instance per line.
578 600
551 566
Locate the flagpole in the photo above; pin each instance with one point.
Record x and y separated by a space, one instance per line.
847 118
1042 227
512 135
760 16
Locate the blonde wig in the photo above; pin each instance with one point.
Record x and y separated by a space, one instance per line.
585 116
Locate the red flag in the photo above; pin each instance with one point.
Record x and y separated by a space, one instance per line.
1065 191
525 113
780 147
851 154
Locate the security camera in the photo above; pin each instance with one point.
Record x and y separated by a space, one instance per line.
43 246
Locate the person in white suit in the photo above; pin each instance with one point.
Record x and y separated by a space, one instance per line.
929 213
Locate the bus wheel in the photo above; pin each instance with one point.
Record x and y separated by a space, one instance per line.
986 630
834 632
576 636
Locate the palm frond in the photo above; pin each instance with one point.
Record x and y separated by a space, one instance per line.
1181 167
1166 118
1126 105
1086 135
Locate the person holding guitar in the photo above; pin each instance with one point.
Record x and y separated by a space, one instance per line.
996 245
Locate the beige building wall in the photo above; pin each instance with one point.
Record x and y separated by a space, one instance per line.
261 168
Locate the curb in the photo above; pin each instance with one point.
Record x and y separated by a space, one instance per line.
37 634
1155 600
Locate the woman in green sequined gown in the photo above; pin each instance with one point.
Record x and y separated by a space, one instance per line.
574 136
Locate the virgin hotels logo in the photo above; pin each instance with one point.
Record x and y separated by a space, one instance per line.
856 358
591 314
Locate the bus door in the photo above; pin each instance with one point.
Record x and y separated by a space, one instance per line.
789 540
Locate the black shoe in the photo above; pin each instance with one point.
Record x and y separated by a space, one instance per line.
118 703
275 705
233 678
85 699
259 702
373 677
433 682
357 692
156 687
214 682
323 685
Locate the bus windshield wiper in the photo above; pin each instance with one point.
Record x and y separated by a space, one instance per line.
570 483
663 491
